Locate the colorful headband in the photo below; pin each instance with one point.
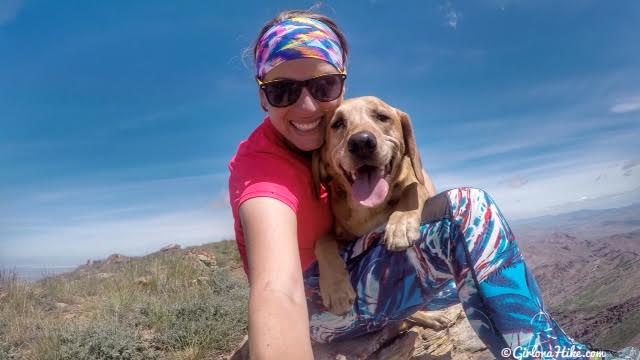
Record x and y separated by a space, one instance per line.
297 38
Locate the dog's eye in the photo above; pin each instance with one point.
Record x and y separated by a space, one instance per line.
382 117
337 124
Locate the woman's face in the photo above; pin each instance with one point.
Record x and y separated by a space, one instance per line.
303 123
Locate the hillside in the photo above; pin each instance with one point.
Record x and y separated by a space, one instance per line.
192 303
174 304
588 266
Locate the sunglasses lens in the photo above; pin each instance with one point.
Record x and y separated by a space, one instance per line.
326 88
282 93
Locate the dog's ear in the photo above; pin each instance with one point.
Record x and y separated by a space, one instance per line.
319 171
410 147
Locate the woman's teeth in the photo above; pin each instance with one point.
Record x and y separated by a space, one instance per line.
306 127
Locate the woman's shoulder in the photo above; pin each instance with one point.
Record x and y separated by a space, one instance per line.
263 146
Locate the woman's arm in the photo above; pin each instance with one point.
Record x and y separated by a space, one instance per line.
278 318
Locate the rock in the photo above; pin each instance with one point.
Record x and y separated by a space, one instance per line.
201 280
147 335
401 348
457 342
242 350
203 257
60 305
171 247
104 275
361 348
86 266
144 280
115 259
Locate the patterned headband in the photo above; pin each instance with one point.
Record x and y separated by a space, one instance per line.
297 38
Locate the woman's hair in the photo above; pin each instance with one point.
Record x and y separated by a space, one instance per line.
308 14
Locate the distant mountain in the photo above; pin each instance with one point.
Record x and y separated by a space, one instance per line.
587 264
602 202
585 223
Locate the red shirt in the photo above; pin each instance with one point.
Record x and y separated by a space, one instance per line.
265 167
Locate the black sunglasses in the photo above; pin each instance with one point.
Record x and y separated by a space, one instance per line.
285 92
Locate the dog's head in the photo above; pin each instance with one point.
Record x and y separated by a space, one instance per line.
365 148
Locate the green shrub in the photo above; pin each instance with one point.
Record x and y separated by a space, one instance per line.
6 351
213 319
99 342
182 310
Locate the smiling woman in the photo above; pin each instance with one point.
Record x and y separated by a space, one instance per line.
299 97
102 102
464 244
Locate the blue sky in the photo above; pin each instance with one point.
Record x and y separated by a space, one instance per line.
118 118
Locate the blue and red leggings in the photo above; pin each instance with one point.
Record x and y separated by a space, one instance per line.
466 253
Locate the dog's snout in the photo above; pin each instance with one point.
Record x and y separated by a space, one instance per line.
362 144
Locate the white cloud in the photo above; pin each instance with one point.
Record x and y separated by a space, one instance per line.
517 181
452 16
628 105
133 217
491 143
630 165
552 188
8 10
130 236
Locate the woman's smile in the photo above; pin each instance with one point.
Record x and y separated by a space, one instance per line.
306 126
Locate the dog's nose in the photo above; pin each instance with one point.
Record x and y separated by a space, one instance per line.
362 144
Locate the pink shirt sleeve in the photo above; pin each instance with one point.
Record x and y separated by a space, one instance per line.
264 177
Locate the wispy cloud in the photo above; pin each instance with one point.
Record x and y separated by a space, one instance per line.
155 190
517 181
8 10
133 217
452 16
131 236
630 164
486 143
625 106
556 188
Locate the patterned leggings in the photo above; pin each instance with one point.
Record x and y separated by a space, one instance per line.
466 240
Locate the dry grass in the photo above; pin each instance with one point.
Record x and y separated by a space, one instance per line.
162 306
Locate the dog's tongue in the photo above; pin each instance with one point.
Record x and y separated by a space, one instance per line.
369 187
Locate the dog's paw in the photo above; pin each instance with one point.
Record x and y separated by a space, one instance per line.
337 292
402 230
432 321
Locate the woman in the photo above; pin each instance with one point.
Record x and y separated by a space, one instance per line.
300 69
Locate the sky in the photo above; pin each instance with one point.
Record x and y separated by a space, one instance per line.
118 119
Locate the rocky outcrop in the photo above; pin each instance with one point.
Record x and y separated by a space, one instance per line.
201 258
115 259
458 342
170 247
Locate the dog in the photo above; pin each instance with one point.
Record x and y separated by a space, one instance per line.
371 166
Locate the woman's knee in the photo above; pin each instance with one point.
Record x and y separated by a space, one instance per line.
468 200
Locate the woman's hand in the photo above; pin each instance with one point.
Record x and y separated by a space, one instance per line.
278 317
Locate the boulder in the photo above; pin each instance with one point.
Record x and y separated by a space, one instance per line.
144 280
170 247
457 342
115 259
104 275
202 257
